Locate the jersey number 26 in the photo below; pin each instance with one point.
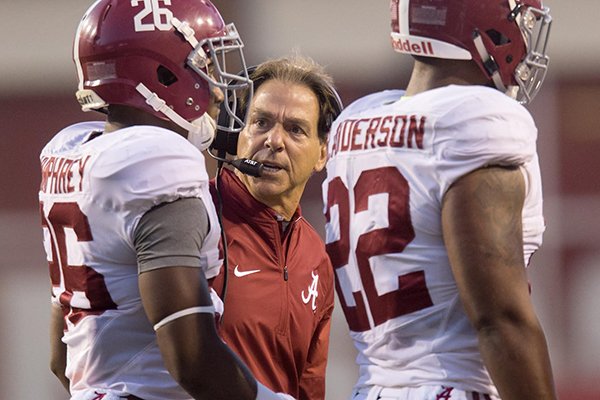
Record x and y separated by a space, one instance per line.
82 290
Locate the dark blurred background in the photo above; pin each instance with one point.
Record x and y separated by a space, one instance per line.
351 38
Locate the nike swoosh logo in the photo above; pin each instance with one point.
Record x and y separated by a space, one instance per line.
240 274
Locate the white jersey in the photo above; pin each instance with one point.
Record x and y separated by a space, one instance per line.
94 191
391 160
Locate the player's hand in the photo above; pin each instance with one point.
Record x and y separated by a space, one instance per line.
264 393
284 396
217 302
219 306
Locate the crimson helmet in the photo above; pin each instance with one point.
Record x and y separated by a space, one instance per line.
162 57
506 38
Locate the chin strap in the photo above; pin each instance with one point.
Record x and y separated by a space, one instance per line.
185 30
201 135
490 65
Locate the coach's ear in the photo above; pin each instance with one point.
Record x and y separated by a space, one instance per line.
320 164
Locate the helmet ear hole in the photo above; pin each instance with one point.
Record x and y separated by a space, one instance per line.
497 38
165 76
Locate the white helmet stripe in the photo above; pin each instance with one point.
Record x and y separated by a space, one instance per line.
403 19
76 57
76 47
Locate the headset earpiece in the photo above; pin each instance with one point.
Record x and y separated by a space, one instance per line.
226 142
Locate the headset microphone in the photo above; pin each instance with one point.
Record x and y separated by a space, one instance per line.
244 165
247 166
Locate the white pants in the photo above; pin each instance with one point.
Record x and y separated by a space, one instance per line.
418 393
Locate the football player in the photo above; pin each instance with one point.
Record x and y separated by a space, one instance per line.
434 207
129 227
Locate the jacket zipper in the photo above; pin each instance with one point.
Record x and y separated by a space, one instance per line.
282 258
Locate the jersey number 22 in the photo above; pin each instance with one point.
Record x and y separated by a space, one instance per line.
411 294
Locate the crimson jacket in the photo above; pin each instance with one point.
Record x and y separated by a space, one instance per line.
279 296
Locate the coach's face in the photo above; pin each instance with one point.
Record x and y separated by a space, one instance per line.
282 133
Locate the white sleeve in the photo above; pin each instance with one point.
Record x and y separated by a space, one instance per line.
484 131
147 168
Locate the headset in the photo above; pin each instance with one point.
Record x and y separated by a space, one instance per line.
226 139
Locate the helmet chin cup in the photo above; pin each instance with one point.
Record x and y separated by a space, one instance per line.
202 132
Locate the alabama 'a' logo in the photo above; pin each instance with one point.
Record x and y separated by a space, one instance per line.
445 394
313 291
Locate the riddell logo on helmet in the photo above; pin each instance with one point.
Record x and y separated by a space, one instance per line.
421 47
86 99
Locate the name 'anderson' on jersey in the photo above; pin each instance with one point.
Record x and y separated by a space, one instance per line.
379 131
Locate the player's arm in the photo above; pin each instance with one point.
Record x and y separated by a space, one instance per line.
58 350
168 239
482 227
191 348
